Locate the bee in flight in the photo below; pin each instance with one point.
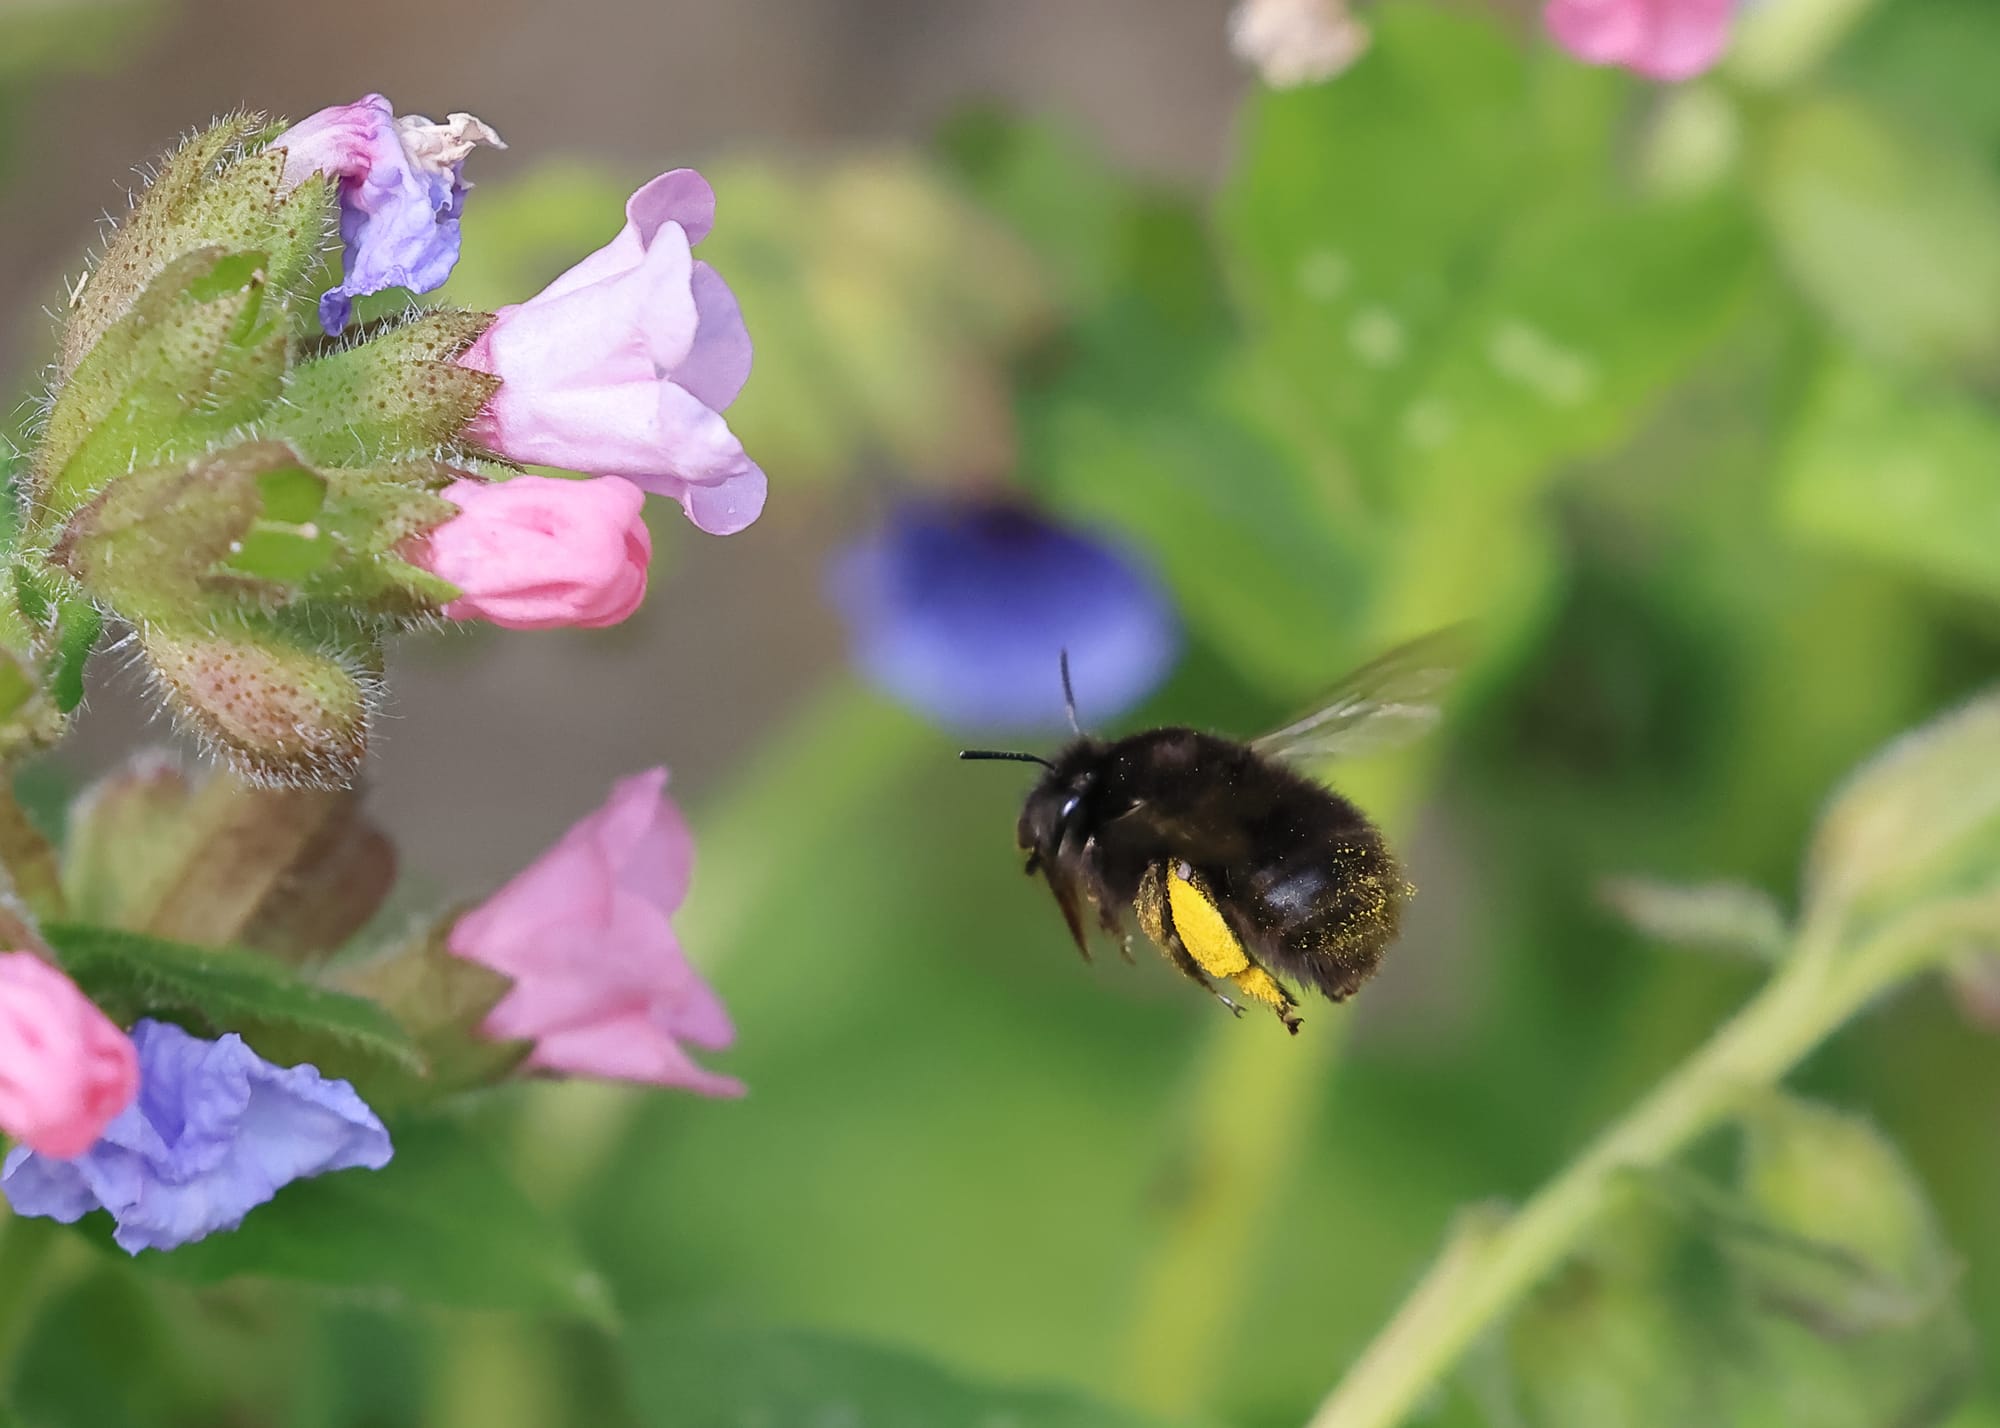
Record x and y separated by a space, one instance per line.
1239 867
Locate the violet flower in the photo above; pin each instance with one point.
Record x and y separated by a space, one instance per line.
215 1132
401 189
962 609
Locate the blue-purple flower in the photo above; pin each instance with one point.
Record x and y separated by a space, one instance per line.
962 609
402 188
215 1132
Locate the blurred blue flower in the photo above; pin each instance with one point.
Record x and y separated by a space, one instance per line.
215 1132
962 608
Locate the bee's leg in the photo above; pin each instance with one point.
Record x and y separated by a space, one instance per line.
1157 919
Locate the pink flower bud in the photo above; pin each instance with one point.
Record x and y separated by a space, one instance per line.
1662 39
65 1070
537 552
585 932
623 365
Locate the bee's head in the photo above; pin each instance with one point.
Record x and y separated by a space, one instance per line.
1064 792
1060 797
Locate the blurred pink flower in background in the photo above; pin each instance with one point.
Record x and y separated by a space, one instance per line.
623 365
538 552
1662 39
585 932
65 1070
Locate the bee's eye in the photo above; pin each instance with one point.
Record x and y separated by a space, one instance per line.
1070 803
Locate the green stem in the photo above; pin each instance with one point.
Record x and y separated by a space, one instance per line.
1242 1153
1473 1284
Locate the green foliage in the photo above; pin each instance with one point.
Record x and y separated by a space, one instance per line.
688 1371
211 990
1900 472
1915 829
1895 236
442 1224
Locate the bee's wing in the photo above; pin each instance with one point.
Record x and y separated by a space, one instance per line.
1387 702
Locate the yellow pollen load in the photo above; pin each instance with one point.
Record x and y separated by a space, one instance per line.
1210 942
1206 936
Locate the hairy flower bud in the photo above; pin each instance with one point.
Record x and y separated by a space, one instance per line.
281 709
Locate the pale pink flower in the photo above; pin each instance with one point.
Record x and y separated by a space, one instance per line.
538 552
1662 39
623 365
585 932
65 1070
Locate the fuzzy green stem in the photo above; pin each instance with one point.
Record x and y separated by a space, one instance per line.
1474 1284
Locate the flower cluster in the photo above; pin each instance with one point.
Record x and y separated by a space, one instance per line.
265 461
263 475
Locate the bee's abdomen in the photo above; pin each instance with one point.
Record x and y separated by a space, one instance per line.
1326 895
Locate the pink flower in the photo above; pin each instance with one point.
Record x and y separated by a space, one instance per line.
65 1070
537 552
600 985
622 366
401 191
1663 39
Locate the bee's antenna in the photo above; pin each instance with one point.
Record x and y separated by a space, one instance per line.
1069 697
1005 754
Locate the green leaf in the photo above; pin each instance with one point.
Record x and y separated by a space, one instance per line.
284 1018
442 1223
1720 917
78 626
1918 822
1898 471
688 1371
1894 235
1453 340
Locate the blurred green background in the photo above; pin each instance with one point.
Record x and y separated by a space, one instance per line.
1687 395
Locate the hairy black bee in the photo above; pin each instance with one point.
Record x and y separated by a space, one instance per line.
1239 867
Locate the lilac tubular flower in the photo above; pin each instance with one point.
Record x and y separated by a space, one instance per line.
401 191
962 609
216 1132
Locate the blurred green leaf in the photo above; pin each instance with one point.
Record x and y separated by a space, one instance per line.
689 1373
210 991
1455 338
442 1223
1899 471
98 1354
1893 235
1151 418
1823 1177
1719 917
1918 822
